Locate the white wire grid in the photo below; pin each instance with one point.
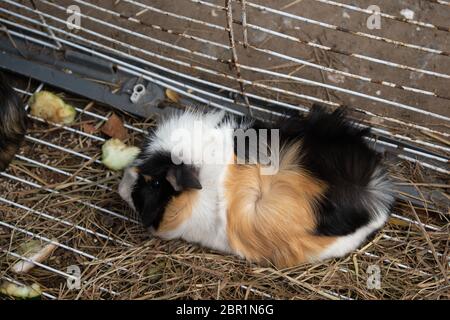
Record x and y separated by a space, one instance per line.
26 19
196 93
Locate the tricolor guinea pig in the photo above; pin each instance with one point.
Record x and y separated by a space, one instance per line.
12 122
312 189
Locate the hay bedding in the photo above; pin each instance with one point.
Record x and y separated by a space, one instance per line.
125 263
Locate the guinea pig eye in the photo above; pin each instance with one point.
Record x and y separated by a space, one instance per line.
155 184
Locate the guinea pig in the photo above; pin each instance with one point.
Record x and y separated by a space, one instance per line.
321 195
13 124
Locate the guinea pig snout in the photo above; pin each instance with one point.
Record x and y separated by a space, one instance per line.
127 184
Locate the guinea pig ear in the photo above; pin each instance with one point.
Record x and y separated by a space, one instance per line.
183 177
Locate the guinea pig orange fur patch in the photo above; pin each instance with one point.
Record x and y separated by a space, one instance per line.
271 217
178 210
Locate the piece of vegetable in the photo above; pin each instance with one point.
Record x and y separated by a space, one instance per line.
21 292
34 251
50 107
114 128
116 155
173 95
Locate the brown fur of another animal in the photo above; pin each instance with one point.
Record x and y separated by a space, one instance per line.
13 123
271 217
7 154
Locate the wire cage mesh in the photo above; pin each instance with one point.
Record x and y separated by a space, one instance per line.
267 58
